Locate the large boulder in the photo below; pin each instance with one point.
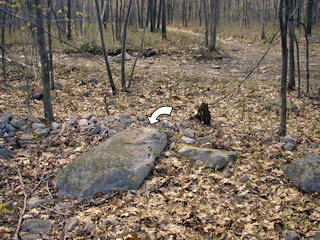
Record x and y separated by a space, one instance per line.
305 173
121 162
213 158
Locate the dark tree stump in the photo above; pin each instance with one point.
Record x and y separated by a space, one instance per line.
204 114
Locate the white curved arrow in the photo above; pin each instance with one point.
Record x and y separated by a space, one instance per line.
160 111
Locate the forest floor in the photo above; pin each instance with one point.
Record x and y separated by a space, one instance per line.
179 200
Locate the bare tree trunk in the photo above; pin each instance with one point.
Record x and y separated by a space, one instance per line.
291 80
50 66
283 20
263 20
124 47
47 104
206 22
159 14
105 53
83 21
164 19
3 44
310 6
69 35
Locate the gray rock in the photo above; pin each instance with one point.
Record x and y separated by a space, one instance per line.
94 131
277 102
93 120
71 223
124 116
35 201
36 126
111 102
112 132
305 173
6 152
289 146
205 139
32 237
169 124
93 80
244 178
55 125
87 116
117 126
17 123
36 226
118 58
43 132
38 96
316 236
5 119
61 206
292 235
32 119
23 87
10 128
110 221
188 140
72 121
83 122
289 139
213 158
189 133
109 119
103 129
88 228
131 156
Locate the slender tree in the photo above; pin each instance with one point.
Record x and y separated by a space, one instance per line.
164 19
105 53
47 104
69 35
291 25
283 21
50 65
124 47
310 7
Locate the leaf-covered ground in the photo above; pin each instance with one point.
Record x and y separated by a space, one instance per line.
180 199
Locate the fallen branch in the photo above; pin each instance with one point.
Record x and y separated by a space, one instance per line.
16 62
311 97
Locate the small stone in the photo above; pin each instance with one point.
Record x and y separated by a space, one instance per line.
141 117
292 235
289 146
35 201
38 96
5 119
111 102
36 226
169 124
95 131
205 139
17 123
71 223
244 178
36 126
112 132
6 152
103 129
127 117
151 62
43 132
289 139
23 87
10 128
61 207
72 121
87 116
187 140
110 221
32 237
83 122
189 133
88 228
93 80
316 236
32 119
55 125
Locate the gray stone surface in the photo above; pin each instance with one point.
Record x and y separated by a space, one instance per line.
292 235
289 146
83 122
72 222
141 117
32 237
121 162
213 158
55 125
305 173
118 58
88 228
189 133
38 96
5 119
36 126
43 132
187 140
289 139
36 226
6 152
32 119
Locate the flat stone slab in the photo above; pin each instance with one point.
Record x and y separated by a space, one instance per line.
36 226
213 158
305 173
121 162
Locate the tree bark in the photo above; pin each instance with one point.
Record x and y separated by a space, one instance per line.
291 80
310 6
283 20
164 19
124 47
69 35
105 53
47 103
50 65
3 44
